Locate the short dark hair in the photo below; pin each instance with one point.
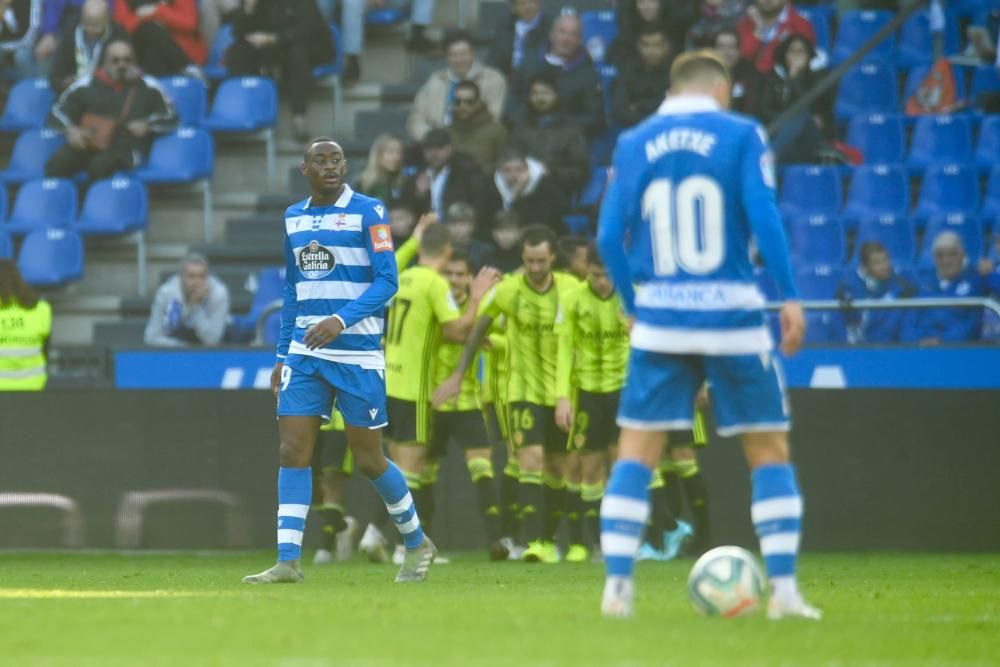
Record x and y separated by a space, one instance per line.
511 155
870 248
535 235
436 138
319 140
435 240
546 78
593 255
461 255
453 37
468 85
697 65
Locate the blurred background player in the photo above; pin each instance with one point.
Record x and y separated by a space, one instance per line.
461 418
593 349
25 326
691 186
332 466
530 301
330 347
683 481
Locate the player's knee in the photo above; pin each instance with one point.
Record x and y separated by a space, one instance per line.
766 448
294 452
531 459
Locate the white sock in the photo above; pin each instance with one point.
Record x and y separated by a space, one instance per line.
785 588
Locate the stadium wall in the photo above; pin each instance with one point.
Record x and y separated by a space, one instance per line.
896 470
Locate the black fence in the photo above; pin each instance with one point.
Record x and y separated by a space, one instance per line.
902 470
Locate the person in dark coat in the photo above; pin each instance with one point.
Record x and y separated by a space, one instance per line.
674 17
641 86
522 34
80 49
523 187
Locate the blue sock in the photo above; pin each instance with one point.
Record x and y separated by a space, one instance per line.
398 501
294 496
776 510
623 516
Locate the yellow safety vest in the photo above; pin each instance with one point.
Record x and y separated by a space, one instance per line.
22 335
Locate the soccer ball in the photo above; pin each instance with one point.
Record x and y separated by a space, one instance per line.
727 582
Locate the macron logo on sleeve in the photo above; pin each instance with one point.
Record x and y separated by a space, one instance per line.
381 238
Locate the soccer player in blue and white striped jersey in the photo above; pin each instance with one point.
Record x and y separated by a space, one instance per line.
340 273
691 186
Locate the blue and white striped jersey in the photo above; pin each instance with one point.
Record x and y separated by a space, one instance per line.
339 262
691 186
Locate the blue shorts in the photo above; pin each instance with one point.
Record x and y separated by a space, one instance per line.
747 392
309 385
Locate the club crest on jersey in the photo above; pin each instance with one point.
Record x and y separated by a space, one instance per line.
381 238
341 221
315 261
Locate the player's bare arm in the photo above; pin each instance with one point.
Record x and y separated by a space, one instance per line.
793 327
452 385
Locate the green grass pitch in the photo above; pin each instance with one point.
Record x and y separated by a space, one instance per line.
111 610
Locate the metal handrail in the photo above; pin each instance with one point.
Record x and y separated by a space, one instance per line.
895 304
262 318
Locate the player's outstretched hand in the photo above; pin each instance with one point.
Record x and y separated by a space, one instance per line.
324 333
564 414
426 220
276 378
484 282
793 327
446 391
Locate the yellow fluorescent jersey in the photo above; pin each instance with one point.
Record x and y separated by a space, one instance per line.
447 359
495 362
593 343
421 306
531 337
22 339
336 422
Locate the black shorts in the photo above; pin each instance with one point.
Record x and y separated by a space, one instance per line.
533 424
594 427
332 453
495 424
697 436
466 427
407 421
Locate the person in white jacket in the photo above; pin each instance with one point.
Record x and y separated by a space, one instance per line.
190 308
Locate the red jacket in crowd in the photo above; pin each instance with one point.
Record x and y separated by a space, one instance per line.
179 17
759 49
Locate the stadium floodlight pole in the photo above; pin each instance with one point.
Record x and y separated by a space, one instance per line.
895 304
838 72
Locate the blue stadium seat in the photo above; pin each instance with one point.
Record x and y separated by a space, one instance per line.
880 138
867 88
821 25
817 239
991 199
594 189
920 72
28 104
818 281
988 145
608 74
599 30
985 79
245 104
190 98
214 67
916 41
856 28
43 203
896 234
114 206
947 189
6 246
332 70
970 228
877 190
270 288
380 18
940 139
51 257
32 150
810 190
824 328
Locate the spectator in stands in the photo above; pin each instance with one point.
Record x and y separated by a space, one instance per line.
25 327
109 119
674 17
802 136
716 17
522 34
382 177
547 135
212 14
289 34
352 29
474 130
464 233
402 220
165 34
766 25
80 50
953 278
523 187
989 268
190 308
875 278
433 104
19 23
57 17
641 85
726 44
450 177
506 235
578 82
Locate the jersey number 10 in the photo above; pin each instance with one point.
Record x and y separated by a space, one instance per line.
687 224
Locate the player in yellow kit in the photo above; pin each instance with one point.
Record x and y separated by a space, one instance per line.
593 351
423 314
332 466
530 302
